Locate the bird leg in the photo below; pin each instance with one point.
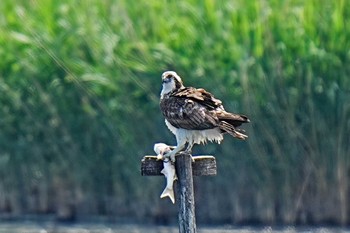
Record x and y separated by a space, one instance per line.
172 153
180 145
189 148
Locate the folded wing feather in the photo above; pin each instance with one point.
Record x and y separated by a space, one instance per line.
197 109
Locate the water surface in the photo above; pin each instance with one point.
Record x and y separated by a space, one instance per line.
32 227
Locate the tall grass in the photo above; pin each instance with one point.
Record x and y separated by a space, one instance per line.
79 85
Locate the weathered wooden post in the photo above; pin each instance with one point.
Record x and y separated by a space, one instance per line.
185 170
185 194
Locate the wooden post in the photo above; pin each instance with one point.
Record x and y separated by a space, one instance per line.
185 193
185 170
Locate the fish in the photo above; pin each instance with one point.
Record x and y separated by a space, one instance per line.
161 149
170 174
168 170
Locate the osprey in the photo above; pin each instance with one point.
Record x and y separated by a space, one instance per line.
195 115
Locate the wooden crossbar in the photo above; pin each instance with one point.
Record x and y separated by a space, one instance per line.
203 165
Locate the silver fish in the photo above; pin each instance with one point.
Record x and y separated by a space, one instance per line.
168 170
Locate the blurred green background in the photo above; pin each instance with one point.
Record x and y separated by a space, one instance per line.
79 94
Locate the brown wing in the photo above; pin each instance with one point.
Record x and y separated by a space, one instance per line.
232 118
191 108
200 96
187 113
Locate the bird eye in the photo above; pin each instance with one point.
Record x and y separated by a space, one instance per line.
167 79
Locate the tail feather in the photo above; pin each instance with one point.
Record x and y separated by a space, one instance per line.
168 193
230 129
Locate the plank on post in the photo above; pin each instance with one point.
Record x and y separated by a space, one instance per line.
203 165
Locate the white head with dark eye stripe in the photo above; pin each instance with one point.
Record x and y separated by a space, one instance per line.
171 81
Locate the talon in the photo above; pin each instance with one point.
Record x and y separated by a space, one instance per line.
172 158
188 152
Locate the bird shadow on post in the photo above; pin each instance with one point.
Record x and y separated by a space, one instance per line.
186 168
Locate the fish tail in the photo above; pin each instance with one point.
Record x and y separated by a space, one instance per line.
168 193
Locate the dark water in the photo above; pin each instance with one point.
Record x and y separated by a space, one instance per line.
30 227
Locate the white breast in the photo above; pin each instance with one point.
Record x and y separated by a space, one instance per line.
167 87
196 136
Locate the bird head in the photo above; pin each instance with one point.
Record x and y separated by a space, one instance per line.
171 81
